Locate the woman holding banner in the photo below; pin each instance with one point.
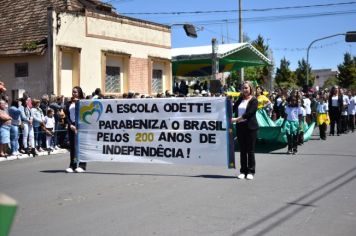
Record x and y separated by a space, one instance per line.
246 127
77 93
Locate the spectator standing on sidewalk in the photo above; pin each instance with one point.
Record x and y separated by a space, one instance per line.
49 124
28 139
15 114
38 119
5 126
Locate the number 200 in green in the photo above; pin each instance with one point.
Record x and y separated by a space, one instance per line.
144 137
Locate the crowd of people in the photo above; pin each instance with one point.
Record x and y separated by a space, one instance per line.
29 126
298 109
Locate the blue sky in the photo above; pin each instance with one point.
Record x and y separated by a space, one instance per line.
286 37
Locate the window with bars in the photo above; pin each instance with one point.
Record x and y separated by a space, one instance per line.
21 69
112 79
157 81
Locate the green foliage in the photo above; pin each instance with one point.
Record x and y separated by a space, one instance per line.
347 72
301 74
262 73
331 81
29 46
285 78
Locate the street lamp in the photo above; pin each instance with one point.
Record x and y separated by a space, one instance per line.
349 37
189 29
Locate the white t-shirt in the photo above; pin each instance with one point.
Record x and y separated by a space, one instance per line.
334 101
279 101
307 104
49 122
72 112
293 113
346 102
352 106
304 113
242 107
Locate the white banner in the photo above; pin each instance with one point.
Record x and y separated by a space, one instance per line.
159 130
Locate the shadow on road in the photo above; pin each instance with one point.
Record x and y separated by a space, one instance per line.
142 174
302 203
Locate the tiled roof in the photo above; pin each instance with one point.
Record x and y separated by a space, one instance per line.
23 23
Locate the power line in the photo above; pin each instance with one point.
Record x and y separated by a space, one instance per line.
244 10
304 49
286 49
272 18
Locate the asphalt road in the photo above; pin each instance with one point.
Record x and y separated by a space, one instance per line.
312 193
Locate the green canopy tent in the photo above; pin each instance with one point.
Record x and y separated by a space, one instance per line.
197 61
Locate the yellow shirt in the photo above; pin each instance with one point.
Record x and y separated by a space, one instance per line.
262 101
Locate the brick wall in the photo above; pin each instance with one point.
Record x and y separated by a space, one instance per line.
138 75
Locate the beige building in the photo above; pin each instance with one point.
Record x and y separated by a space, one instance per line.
322 75
51 46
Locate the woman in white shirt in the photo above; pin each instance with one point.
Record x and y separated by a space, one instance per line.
246 127
77 93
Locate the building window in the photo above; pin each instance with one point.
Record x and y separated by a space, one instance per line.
21 69
157 81
112 79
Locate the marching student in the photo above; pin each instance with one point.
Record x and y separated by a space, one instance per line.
344 112
292 123
303 126
322 117
352 110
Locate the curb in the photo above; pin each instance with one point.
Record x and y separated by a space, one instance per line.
25 156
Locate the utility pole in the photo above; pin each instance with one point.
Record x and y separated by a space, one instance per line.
227 31
241 36
215 60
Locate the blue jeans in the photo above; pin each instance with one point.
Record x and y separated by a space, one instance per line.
14 138
38 136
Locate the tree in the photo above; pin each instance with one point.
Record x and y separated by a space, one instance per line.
347 72
331 81
301 74
263 73
284 76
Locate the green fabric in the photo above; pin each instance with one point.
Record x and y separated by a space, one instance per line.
7 213
272 131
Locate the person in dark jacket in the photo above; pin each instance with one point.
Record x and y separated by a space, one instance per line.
77 94
335 108
246 127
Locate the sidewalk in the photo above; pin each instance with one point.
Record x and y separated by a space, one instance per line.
25 156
